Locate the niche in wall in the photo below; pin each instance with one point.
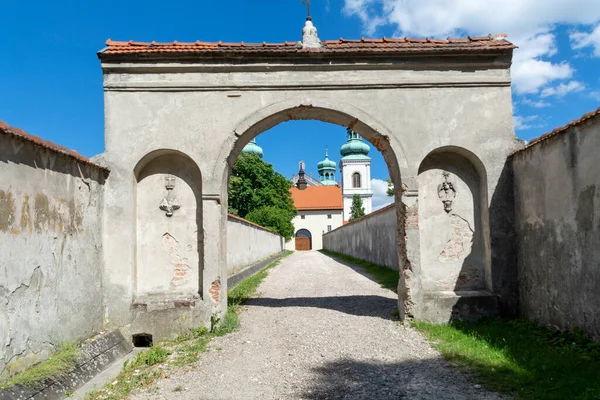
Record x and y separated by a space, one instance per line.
452 199
169 239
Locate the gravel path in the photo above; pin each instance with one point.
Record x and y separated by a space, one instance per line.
319 330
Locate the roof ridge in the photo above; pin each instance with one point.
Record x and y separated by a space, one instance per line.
38 141
559 130
341 44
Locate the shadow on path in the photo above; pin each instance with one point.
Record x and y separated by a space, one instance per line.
360 380
359 305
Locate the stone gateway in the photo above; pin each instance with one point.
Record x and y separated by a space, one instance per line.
439 111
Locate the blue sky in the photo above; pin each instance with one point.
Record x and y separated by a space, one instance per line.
51 81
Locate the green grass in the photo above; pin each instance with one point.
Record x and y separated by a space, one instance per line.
521 358
186 349
386 277
60 363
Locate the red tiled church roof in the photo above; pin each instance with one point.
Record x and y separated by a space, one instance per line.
361 46
21 134
318 198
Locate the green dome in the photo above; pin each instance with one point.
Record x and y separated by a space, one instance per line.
327 171
354 146
326 163
253 148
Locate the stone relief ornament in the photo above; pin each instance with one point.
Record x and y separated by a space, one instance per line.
446 192
169 204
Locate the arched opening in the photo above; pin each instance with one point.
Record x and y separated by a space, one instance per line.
356 180
303 240
169 244
361 125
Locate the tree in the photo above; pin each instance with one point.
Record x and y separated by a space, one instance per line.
273 218
357 210
254 184
390 188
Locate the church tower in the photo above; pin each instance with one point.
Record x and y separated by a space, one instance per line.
327 171
355 166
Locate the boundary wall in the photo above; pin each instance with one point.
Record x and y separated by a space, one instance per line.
50 248
557 210
371 238
249 243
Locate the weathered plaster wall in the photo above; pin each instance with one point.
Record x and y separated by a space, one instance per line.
557 197
372 238
453 235
168 248
248 243
50 251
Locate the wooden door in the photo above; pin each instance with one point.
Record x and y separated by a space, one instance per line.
302 243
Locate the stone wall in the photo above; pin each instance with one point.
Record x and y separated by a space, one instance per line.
372 238
248 243
50 248
557 201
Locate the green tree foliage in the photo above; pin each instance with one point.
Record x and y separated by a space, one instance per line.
390 188
273 218
357 210
254 185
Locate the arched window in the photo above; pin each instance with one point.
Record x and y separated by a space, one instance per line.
356 180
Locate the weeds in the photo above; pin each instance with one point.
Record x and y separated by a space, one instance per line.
185 349
152 356
60 363
521 358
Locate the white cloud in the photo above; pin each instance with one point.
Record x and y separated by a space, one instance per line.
536 103
527 122
563 89
529 23
582 39
380 197
530 75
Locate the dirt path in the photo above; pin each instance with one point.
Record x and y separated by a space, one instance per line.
319 330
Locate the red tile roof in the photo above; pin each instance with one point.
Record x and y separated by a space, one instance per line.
21 134
561 129
361 46
318 198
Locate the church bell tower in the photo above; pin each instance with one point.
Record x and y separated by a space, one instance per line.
355 167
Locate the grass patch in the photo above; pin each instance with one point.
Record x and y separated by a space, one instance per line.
59 364
521 358
186 349
386 277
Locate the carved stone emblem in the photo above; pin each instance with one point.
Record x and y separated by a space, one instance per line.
446 192
169 203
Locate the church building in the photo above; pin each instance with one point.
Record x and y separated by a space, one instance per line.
323 203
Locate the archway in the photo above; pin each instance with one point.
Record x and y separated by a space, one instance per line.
345 115
303 240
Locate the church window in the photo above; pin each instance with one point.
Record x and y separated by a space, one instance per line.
328 228
356 180
302 216
328 216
